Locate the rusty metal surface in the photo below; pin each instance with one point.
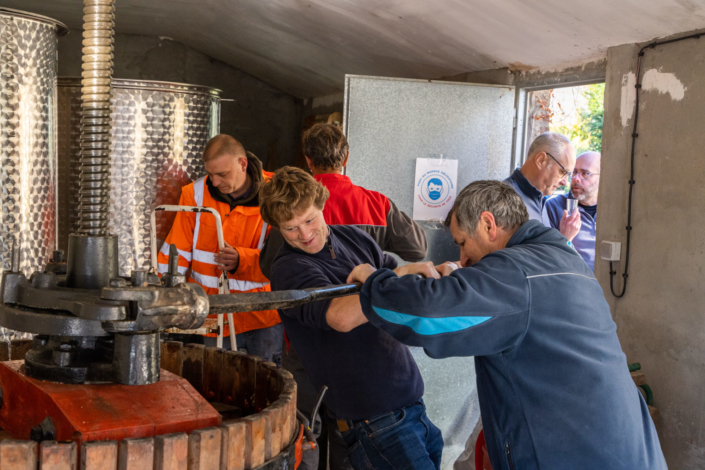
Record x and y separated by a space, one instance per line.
159 131
28 48
101 412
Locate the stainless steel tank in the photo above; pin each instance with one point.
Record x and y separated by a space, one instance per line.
28 55
159 131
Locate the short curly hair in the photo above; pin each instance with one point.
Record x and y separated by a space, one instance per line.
326 146
290 192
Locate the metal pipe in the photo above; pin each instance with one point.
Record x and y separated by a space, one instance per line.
98 25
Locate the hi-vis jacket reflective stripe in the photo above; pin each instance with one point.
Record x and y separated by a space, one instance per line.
196 239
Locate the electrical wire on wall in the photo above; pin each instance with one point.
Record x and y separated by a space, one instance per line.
625 275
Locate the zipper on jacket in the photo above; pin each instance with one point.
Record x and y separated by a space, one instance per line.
330 247
509 457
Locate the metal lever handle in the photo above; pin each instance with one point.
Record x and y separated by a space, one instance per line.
255 301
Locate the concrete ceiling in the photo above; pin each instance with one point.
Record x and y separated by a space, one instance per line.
305 47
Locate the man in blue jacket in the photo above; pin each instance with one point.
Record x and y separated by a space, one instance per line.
553 384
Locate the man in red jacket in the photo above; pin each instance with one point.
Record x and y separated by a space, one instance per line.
326 151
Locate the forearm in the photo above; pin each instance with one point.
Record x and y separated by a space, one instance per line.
345 313
451 316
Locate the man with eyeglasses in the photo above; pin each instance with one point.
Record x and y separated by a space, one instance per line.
548 166
583 187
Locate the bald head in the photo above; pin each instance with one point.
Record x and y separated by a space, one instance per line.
223 145
586 181
588 159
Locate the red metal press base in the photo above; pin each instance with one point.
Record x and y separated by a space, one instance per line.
85 413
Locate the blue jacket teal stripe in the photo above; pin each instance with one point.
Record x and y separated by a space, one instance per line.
553 384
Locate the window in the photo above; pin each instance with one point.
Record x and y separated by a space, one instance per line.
575 111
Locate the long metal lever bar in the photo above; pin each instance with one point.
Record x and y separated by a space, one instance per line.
255 301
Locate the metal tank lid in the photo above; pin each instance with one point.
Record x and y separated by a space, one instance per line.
149 85
61 28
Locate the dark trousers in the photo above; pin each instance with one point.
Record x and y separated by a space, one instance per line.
403 438
331 447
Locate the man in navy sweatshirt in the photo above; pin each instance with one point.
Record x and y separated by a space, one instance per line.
375 387
554 388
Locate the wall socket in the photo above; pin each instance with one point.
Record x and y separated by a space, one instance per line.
610 251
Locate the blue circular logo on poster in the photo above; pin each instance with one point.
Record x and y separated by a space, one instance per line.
435 187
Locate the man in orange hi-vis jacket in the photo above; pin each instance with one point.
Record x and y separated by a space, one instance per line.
231 186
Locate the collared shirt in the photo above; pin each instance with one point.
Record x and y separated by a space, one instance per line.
584 241
533 198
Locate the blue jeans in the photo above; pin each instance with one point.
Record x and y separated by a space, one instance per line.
403 438
265 343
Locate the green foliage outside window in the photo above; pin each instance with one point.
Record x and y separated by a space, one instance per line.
586 133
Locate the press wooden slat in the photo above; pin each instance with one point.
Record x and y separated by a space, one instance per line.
272 433
4 351
99 455
254 432
18 348
212 373
232 447
193 365
171 452
229 384
18 455
261 385
278 432
136 454
204 449
285 419
172 356
247 378
284 435
57 456
288 395
276 383
285 374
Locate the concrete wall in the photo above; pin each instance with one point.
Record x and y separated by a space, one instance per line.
661 319
265 119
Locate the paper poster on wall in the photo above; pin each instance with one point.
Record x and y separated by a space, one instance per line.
435 187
